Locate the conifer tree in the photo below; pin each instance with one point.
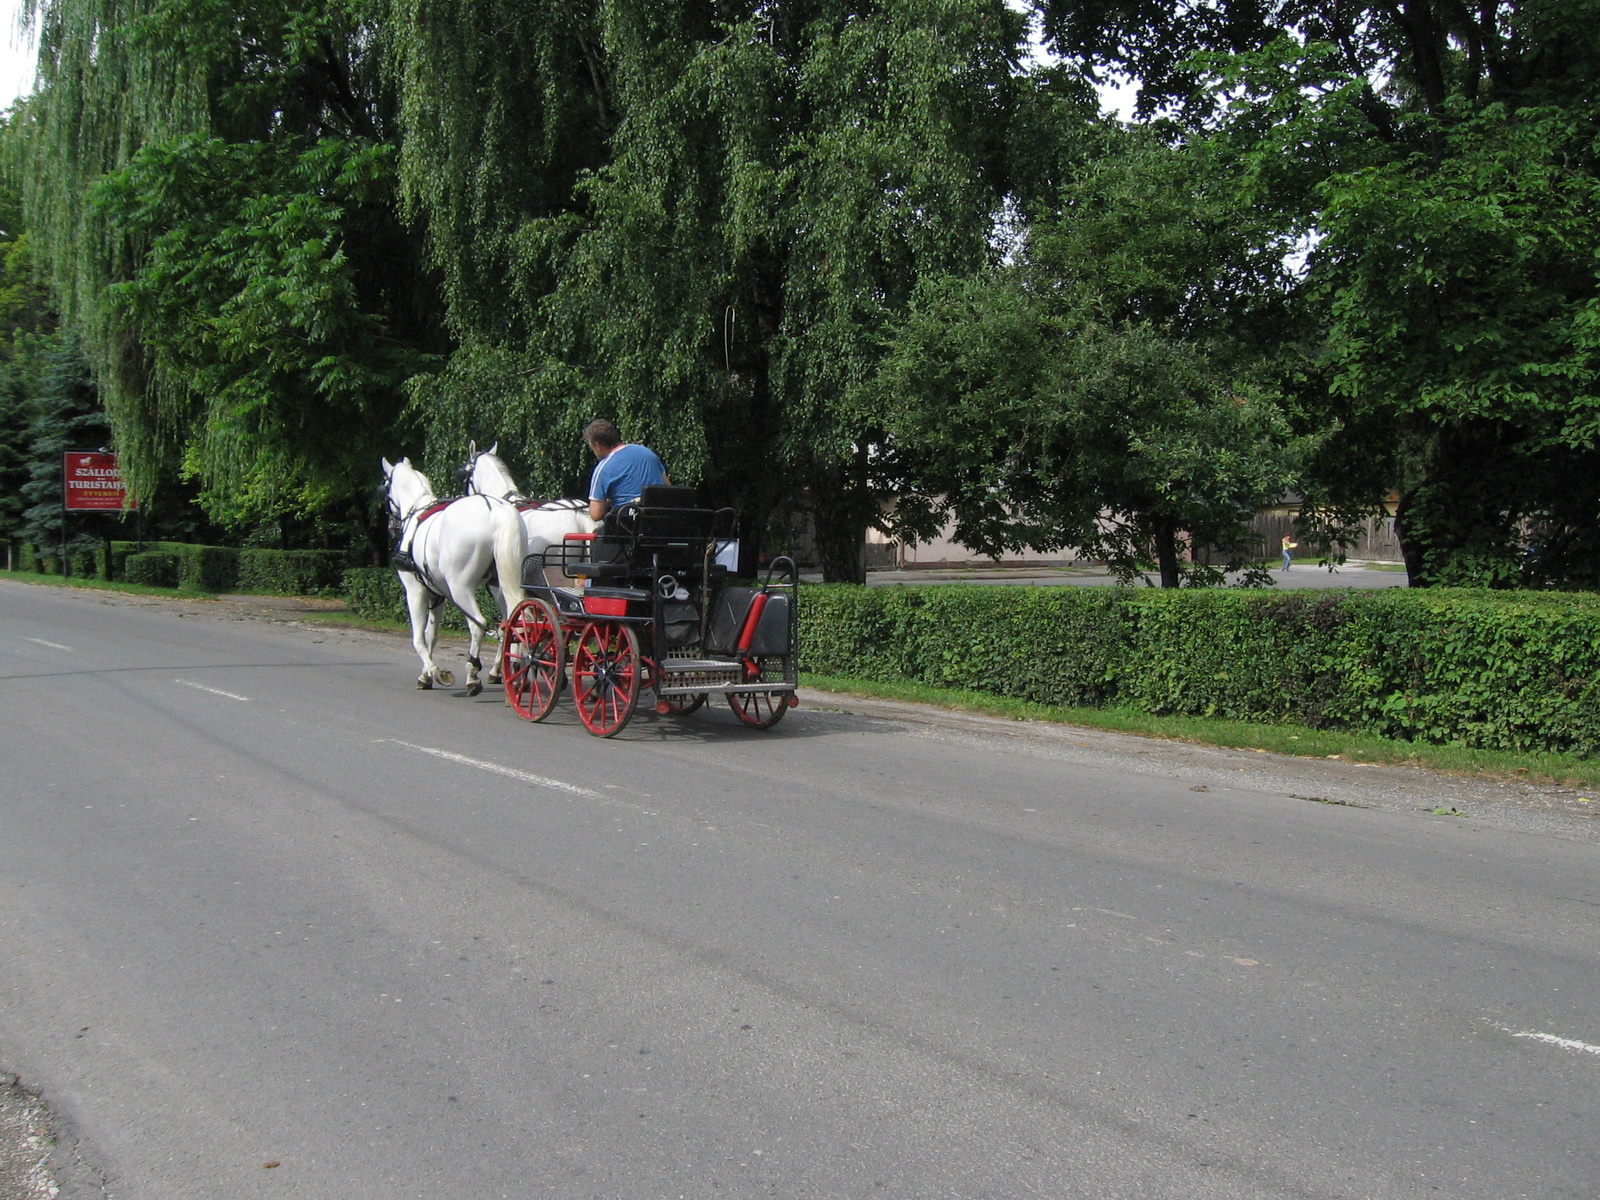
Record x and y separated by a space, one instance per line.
66 416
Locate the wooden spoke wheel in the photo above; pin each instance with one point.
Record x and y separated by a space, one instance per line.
606 672
533 659
759 710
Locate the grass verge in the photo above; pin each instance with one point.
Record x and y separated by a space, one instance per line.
1244 735
100 585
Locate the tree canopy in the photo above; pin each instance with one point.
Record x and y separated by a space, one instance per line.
214 192
1444 157
830 256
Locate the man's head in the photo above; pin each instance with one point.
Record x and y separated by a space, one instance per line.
602 437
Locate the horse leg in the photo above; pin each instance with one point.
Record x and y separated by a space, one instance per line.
467 602
424 632
500 602
441 675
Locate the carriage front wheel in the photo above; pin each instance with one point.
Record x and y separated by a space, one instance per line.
605 676
533 659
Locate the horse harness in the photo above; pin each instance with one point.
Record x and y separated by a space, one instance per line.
406 527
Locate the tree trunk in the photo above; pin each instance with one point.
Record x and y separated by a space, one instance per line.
1167 553
1410 547
839 539
841 506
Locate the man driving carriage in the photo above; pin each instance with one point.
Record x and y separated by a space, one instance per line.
625 469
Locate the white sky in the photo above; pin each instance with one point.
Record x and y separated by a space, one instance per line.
16 55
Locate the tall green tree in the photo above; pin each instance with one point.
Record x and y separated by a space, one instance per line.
1446 156
780 175
1118 388
66 415
27 331
214 190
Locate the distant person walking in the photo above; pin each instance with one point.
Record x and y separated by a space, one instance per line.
1288 546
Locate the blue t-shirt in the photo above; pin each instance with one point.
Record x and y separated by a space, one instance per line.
623 475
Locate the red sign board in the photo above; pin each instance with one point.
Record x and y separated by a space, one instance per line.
92 482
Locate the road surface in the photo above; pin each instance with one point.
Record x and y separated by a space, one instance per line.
273 923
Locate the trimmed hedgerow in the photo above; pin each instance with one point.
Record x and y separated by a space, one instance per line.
1504 671
290 572
227 569
200 568
153 568
375 593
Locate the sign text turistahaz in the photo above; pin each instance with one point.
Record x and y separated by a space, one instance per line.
92 482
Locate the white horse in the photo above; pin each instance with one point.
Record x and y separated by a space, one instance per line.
544 524
454 547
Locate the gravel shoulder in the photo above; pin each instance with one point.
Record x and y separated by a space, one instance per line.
25 1145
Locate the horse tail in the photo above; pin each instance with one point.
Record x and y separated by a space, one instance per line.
510 547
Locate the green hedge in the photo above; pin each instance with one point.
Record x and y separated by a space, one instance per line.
226 569
1505 671
290 572
375 593
200 568
153 568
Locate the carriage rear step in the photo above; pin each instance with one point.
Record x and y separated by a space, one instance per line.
776 686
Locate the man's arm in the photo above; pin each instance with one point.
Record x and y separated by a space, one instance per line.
598 509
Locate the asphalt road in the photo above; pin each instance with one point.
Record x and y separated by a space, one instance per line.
263 903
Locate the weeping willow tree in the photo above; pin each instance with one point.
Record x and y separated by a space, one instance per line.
755 190
213 190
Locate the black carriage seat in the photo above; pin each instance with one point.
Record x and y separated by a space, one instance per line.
672 523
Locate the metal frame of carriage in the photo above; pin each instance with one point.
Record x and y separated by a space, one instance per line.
643 606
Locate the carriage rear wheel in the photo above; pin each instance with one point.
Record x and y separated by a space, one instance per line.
682 706
533 659
759 710
606 672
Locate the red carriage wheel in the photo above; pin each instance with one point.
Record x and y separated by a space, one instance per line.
533 659
606 671
759 710
680 706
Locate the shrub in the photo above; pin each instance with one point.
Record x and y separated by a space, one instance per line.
153 568
289 572
1508 671
209 568
375 593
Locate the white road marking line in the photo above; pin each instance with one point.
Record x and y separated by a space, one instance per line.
1549 1038
200 687
52 645
509 772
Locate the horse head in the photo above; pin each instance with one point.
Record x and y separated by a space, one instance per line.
485 475
406 488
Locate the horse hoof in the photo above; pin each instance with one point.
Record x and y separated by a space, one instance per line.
494 680
445 678
474 688
424 684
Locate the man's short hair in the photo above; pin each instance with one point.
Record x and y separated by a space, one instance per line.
602 433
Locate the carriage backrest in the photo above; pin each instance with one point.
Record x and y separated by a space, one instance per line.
671 518
664 495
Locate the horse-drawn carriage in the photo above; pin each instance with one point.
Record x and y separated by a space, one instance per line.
642 605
